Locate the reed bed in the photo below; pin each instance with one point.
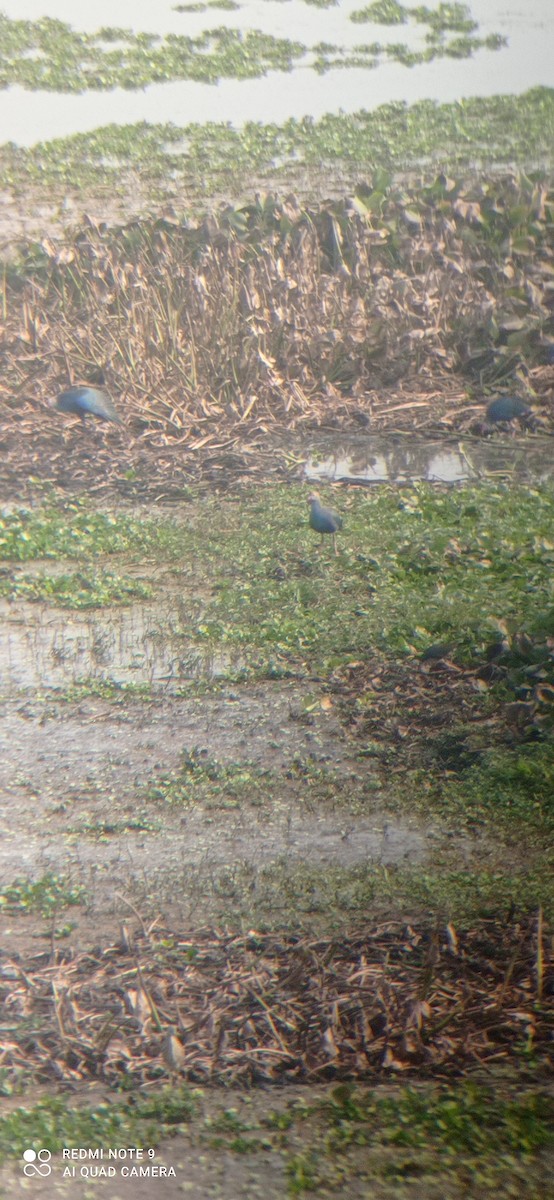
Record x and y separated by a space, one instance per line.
400 308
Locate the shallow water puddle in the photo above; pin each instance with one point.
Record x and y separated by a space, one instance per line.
241 840
406 460
74 794
45 647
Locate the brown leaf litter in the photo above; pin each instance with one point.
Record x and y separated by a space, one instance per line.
260 1008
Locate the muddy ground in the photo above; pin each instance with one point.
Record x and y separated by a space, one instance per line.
71 774
78 778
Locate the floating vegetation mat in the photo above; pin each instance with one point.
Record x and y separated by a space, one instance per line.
49 55
403 998
137 163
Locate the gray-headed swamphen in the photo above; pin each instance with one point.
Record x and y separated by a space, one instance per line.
323 520
505 409
88 402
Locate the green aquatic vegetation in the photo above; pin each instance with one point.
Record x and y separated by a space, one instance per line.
464 46
382 12
436 1141
293 895
281 594
459 47
78 590
55 1122
226 5
455 17
104 830
105 689
515 787
212 157
464 559
469 1119
402 54
201 780
46 895
446 17
75 530
465 1133
49 55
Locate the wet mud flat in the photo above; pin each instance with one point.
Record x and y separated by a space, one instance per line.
79 798
137 759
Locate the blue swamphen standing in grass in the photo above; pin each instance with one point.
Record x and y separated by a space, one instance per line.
88 402
505 409
323 520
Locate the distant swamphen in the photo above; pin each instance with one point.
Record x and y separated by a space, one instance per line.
323 520
88 402
506 408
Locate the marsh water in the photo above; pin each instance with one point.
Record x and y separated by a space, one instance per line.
41 646
526 61
404 459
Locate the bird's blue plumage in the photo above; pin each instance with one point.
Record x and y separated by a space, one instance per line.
323 520
88 401
507 408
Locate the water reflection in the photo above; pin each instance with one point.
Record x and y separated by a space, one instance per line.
42 647
406 460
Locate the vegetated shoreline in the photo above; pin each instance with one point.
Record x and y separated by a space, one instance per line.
191 164
401 308
58 319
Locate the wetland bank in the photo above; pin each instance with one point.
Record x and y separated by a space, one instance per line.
347 784
276 825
